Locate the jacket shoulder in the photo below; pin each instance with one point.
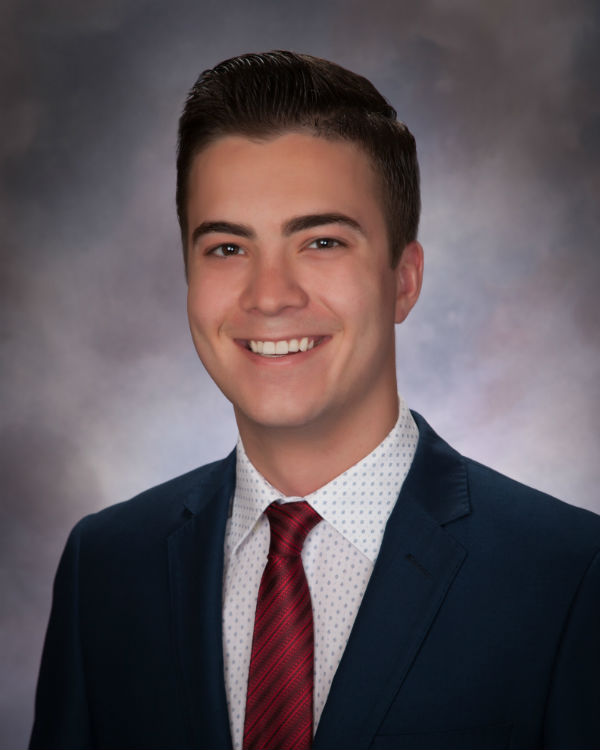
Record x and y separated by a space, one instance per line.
519 512
161 508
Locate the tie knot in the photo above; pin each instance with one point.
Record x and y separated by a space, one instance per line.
290 524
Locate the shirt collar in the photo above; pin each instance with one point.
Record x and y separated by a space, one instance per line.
357 503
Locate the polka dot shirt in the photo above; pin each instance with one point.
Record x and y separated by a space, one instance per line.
338 557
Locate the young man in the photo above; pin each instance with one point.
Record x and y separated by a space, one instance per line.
344 579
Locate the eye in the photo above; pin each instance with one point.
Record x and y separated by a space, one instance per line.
325 243
226 250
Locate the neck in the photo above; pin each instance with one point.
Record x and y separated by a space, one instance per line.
299 460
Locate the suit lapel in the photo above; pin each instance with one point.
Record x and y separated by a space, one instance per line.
417 563
195 553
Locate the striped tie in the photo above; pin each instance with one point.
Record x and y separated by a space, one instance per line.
279 703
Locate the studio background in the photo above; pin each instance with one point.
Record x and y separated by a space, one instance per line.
103 395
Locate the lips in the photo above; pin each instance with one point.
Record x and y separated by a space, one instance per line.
282 347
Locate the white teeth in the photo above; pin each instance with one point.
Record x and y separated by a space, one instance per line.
279 348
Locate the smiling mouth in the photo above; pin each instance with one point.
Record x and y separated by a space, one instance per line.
284 346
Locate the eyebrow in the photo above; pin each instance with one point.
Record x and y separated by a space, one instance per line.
297 224
310 221
225 227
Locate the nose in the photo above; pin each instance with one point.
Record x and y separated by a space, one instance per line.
272 287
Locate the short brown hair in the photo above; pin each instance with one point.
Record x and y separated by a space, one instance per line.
260 95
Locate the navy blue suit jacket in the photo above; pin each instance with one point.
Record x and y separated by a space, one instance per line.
480 626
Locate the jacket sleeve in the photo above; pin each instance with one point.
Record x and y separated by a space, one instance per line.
573 709
61 711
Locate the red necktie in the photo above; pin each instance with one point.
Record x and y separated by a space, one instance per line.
279 702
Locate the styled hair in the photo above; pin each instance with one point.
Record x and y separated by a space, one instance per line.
268 94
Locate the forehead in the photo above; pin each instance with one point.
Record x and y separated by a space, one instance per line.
293 172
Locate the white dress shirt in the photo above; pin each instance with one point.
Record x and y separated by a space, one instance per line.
338 557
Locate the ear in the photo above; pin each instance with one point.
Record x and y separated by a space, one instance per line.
409 278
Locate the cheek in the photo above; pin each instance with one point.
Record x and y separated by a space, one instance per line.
361 297
202 308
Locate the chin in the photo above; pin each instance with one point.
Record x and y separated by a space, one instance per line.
278 413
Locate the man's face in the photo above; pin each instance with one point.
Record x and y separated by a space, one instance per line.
292 299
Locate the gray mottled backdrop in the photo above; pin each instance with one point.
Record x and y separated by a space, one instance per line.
102 393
